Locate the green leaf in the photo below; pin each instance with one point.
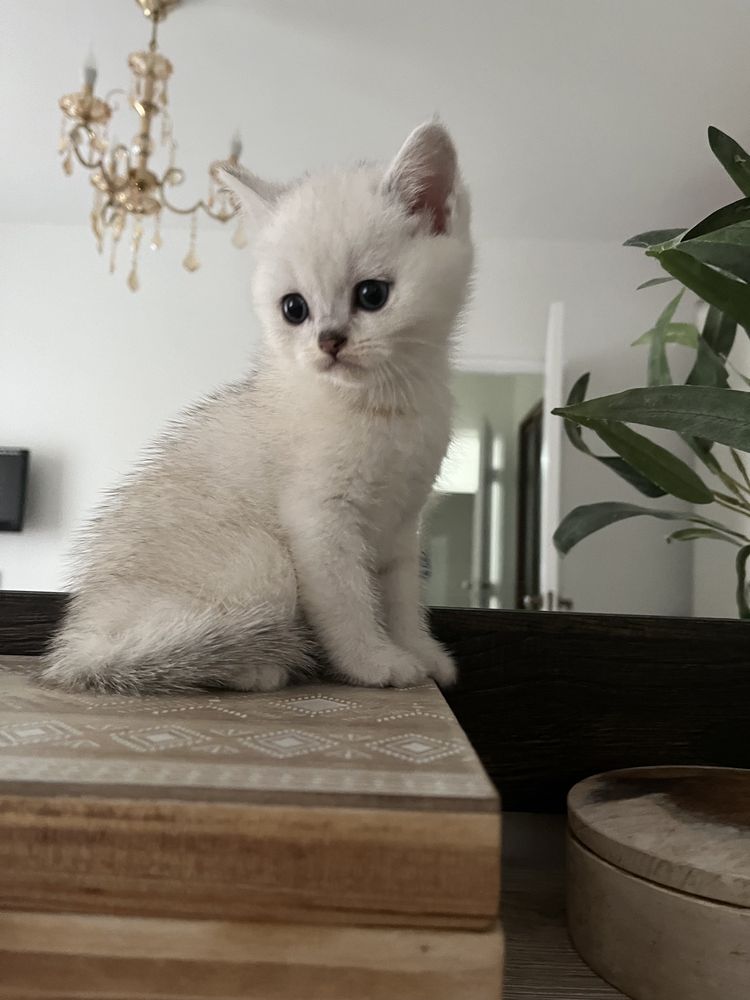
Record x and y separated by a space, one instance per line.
730 296
654 462
653 238
665 317
621 468
741 564
658 366
727 249
653 281
691 534
708 368
573 431
617 465
585 520
577 393
677 333
732 157
729 215
721 415
703 450
719 331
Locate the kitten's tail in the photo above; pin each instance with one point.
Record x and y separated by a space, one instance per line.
248 649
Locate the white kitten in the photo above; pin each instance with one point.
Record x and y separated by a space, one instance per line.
282 515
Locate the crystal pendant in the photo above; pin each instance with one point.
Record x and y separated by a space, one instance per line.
117 226
67 164
156 240
96 221
135 245
191 261
239 237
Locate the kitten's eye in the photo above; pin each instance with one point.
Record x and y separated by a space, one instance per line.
371 294
294 308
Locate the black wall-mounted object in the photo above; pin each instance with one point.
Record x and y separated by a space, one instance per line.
14 468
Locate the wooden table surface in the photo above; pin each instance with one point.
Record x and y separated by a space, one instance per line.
540 962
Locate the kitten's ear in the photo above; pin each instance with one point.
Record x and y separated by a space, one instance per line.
424 174
253 196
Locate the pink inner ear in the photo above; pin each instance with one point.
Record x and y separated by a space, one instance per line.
433 201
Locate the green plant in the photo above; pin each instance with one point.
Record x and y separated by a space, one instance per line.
711 259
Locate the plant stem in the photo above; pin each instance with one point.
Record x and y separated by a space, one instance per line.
726 501
741 466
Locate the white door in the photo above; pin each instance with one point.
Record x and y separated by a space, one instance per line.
552 441
484 538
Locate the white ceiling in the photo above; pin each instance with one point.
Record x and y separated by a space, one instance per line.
575 119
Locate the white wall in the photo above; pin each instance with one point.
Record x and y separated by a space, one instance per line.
89 371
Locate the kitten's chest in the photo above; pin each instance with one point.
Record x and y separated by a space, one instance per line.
385 465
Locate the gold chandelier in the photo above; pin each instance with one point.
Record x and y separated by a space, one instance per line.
128 193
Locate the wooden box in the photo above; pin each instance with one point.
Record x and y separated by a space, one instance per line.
316 843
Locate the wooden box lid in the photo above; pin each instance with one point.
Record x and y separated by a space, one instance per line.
684 828
316 803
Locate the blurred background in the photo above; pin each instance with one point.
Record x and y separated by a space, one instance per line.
578 124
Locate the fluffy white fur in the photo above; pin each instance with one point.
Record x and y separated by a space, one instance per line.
275 527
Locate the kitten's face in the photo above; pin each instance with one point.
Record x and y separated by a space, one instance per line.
361 274
349 284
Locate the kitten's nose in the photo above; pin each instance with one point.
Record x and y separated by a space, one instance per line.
331 341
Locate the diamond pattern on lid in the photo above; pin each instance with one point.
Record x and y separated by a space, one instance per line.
314 704
415 748
158 738
24 733
288 743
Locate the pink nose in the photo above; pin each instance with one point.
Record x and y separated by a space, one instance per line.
331 341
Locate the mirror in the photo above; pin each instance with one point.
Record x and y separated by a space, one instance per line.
481 537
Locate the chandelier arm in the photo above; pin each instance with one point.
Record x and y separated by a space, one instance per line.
112 184
200 204
75 138
111 93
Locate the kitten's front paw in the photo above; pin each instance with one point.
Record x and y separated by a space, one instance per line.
388 666
437 662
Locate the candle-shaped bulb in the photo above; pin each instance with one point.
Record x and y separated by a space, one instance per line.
235 150
89 71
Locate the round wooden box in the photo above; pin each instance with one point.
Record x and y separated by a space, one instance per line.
659 881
